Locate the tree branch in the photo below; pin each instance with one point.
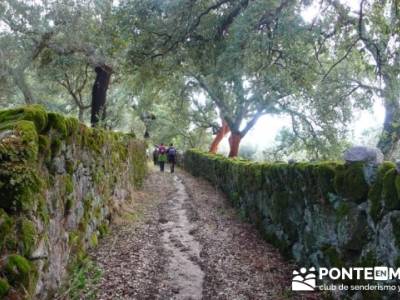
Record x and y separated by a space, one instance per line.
348 51
251 123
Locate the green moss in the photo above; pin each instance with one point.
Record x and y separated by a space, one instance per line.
97 212
69 166
44 147
82 226
98 177
55 146
332 257
42 210
280 203
375 193
34 113
342 210
19 193
103 230
57 122
18 269
73 238
325 173
6 231
350 183
4 287
22 145
93 138
72 125
76 242
93 240
389 192
24 180
27 236
68 205
69 184
29 136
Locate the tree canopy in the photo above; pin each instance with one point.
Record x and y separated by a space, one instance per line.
180 71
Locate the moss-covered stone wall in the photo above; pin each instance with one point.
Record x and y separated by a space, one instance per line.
60 183
327 214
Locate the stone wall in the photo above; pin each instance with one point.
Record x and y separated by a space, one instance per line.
60 183
328 214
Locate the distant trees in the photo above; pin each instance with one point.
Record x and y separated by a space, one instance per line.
373 29
68 29
25 34
208 65
250 59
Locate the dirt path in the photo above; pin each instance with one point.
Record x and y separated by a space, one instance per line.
182 240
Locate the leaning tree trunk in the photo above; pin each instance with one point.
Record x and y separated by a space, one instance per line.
389 140
222 132
99 94
234 143
81 111
20 82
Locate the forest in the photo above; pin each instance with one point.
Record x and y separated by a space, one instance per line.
257 102
195 72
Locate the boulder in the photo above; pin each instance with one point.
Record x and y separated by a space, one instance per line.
363 154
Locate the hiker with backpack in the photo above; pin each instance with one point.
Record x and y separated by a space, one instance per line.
162 156
171 154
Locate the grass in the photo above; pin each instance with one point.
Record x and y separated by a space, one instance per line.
132 216
82 281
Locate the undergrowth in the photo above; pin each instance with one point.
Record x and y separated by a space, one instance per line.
82 281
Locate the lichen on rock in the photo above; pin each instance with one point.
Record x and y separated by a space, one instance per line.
329 214
57 191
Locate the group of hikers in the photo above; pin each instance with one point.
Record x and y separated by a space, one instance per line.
162 154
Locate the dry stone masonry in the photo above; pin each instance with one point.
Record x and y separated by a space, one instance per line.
60 183
322 214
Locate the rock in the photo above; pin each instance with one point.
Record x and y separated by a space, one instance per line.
370 172
41 252
388 238
59 165
363 154
6 133
352 229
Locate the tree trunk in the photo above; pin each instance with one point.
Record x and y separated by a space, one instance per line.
99 94
223 131
81 110
20 82
234 142
390 137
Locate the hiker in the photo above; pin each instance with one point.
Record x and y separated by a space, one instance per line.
155 155
162 156
171 154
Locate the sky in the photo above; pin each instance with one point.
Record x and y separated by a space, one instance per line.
264 132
